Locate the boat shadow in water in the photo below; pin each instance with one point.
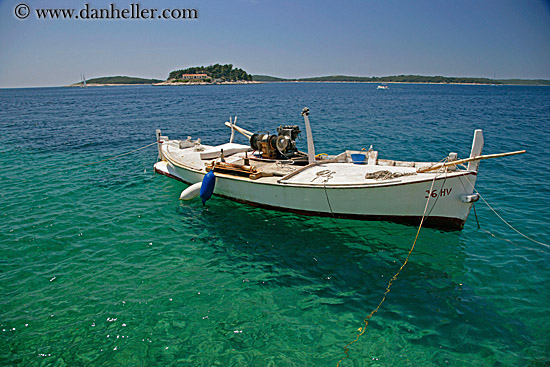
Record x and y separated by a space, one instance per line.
343 266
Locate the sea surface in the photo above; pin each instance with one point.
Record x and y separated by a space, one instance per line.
102 265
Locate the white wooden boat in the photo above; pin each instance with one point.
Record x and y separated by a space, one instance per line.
271 173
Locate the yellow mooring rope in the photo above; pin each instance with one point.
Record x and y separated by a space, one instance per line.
361 330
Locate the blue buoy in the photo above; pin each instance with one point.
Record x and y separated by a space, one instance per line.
207 187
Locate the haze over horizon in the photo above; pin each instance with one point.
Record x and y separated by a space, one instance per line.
504 39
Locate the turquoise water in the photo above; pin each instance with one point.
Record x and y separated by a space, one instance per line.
103 265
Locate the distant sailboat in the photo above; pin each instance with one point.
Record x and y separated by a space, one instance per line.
82 81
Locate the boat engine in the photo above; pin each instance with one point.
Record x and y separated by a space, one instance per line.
280 146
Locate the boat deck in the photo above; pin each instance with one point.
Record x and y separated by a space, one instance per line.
333 171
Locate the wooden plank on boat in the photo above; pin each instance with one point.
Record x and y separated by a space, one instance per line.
466 160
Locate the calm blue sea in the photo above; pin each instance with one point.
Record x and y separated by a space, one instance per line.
102 265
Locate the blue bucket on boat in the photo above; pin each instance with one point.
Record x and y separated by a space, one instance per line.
358 158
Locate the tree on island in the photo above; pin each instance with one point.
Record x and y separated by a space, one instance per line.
224 73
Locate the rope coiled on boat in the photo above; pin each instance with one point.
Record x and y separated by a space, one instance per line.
324 173
386 175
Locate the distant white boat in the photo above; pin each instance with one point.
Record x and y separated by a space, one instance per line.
83 81
382 86
272 173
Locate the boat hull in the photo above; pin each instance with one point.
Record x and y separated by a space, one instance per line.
396 202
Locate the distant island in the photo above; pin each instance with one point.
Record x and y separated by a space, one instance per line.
227 74
213 74
116 80
406 79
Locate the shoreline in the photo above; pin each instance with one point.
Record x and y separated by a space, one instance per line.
160 84
295 81
216 83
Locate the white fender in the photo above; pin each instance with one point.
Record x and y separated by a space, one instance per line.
191 192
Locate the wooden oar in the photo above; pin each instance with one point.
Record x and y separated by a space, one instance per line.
466 160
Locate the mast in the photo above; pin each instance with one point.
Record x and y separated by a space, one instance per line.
310 146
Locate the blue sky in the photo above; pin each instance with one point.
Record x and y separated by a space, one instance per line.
292 39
